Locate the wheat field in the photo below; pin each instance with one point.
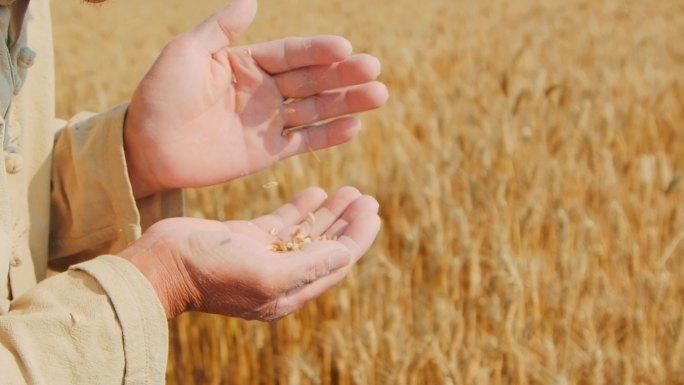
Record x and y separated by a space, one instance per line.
529 169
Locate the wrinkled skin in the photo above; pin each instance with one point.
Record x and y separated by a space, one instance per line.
230 268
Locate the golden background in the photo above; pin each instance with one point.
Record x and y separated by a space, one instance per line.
528 167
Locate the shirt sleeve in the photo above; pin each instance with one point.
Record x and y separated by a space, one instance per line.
93 210
98 323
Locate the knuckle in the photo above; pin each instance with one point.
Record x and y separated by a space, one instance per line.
315 272
308 84
273 311
308 45
180 43
269 312
319 108
312 274
292 41
289 44
307 138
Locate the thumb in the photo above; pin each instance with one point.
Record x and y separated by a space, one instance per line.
225 25
315 261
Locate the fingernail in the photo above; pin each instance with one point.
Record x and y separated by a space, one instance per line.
378 67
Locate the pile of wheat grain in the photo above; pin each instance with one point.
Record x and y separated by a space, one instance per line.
528 167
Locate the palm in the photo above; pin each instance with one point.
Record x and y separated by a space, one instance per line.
228 262
204 115
210 128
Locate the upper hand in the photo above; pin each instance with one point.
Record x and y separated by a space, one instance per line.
206 113
229 267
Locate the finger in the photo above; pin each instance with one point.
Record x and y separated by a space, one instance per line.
359 235
319 268
309 264
349 205
324 216
294 212
318 137
364 205
294 299
336 103
295 52
225 25
309 81
358 238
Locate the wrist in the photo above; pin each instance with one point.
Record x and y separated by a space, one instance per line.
138 170
155 260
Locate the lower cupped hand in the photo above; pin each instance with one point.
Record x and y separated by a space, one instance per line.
247 268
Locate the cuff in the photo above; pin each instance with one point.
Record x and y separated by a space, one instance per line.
93 208
140 314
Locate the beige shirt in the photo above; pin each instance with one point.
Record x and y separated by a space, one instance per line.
64 198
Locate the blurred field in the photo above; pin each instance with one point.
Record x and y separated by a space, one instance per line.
528 166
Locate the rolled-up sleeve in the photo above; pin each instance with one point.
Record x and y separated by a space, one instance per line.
93 208
98 323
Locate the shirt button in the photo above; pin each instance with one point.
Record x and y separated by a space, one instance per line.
26 57
15 262
13 162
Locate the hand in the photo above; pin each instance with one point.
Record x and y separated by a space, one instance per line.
206 113
230 267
